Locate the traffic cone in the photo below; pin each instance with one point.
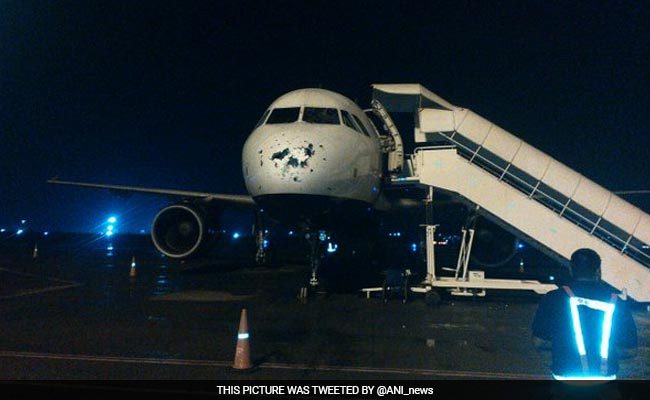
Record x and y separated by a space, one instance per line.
132 272
242 352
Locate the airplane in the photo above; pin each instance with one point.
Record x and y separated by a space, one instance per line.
316 161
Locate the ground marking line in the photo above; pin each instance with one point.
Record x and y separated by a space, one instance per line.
216 363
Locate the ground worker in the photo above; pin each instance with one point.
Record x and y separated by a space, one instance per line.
585 324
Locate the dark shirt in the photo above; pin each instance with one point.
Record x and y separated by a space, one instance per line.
553 322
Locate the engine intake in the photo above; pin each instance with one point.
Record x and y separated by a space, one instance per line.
493 246
183 230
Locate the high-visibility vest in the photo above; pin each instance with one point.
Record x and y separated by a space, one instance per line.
608 309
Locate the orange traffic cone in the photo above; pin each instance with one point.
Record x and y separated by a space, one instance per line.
242 352
132 272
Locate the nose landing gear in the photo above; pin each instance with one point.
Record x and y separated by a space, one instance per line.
316 248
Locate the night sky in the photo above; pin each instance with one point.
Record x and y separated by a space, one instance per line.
164 94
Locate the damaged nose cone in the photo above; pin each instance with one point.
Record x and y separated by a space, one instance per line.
291 160
297 156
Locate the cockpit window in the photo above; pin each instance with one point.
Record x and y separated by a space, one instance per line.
348 121
284 115
261 121
316 115
363 128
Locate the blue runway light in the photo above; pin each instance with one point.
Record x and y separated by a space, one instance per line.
19 232
110 228
236 235
414 247
331 248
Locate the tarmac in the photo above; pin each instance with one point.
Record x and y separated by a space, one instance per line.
84 312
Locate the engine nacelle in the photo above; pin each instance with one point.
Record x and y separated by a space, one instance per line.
493 246
184 230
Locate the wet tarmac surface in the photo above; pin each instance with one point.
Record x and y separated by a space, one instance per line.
77 313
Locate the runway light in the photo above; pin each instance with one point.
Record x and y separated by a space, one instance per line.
236 235
46 233
19 232
414 247
331 248
110 229
3 230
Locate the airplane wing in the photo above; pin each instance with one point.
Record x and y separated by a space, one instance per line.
242 200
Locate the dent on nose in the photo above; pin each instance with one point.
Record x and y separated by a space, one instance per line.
294 156
293 161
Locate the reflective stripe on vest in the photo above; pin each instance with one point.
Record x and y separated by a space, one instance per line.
608 310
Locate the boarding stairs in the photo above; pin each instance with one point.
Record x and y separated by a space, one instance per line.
521 188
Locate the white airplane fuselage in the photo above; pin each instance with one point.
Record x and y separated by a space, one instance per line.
312 151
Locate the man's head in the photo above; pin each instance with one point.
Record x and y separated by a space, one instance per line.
585 265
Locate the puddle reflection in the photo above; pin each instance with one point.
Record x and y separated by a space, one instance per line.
164 283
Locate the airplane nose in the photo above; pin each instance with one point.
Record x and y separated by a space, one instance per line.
292 160
285 162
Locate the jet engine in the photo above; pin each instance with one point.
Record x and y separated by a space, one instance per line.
185 230
493 246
